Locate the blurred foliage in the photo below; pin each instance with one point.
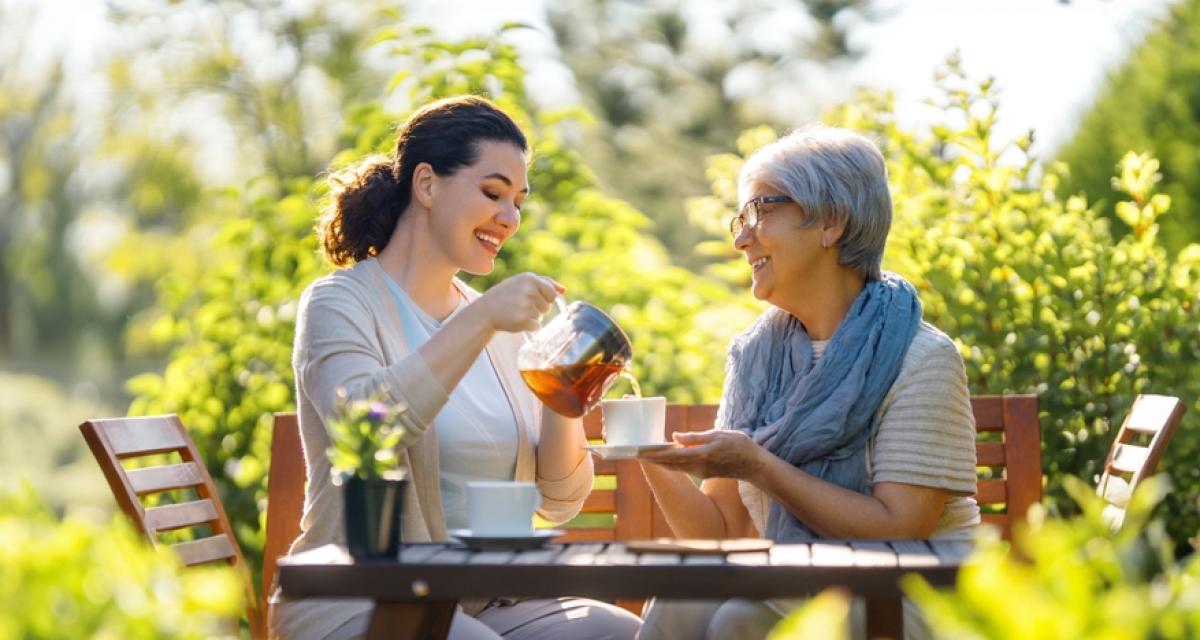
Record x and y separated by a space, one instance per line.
229 327
40 444
1072 579
77 579
1148 105
1039 294
669 84
825 617
50 304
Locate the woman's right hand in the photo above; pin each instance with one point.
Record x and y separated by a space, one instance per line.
518 303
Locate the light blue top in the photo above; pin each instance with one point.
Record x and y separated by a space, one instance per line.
476 430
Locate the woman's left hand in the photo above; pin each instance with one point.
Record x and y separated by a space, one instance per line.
719 453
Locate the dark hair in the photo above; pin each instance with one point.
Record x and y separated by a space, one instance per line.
366 201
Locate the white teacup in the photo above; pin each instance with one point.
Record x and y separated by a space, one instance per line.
497 508
634 421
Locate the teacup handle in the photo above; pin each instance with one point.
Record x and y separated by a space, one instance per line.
561 303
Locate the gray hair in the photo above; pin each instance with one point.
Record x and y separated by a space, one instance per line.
834 175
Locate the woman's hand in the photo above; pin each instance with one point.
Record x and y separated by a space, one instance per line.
517 304
719 453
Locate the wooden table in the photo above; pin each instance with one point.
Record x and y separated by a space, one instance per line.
416 594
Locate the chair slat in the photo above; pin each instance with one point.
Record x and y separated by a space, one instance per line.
600 501
142 436
1151 413
165 478
989 412
588 534
178 516
605 467
991 492
989 454
204 550
1128 458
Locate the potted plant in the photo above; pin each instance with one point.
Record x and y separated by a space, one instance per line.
363 437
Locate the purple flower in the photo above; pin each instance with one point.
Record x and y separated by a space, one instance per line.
379 412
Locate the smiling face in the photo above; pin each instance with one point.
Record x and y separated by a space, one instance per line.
786 257
477 208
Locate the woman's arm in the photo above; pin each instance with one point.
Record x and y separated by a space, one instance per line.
712 510
564 469
894 510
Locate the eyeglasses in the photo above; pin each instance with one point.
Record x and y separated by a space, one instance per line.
751 213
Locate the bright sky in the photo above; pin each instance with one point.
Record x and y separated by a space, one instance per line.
1048 58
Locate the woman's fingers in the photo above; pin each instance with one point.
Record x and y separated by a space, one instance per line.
691 438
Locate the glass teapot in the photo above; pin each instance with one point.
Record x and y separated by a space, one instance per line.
572 361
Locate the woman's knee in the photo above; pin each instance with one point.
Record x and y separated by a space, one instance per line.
742 619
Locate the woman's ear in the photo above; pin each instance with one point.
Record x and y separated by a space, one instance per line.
830 234
423 184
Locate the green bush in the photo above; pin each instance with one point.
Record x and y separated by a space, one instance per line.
1038 293
76 579
1079 580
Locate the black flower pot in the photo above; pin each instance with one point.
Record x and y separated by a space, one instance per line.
372 513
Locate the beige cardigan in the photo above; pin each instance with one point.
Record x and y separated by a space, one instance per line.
349 335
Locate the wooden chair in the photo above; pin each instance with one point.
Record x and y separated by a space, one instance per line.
286 478
114 440
1137 450
1009 458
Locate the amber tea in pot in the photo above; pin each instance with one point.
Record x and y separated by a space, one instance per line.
572 361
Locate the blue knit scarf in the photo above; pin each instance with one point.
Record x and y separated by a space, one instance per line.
819 418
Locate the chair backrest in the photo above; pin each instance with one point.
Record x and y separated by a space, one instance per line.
1137 450
116 440
286 478
1008 455
1008 452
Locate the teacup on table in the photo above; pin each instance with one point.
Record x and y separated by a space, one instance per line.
498 508
634 421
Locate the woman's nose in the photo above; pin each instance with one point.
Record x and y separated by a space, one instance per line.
509 217
743 238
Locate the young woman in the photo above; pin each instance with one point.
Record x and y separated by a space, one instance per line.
396 322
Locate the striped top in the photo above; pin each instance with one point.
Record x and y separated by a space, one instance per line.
926 434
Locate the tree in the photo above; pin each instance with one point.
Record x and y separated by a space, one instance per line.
666 92
1149 105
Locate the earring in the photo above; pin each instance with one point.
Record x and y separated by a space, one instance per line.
824 245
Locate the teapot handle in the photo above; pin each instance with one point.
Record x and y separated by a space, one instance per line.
561 303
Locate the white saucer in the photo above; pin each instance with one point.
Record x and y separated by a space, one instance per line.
494 542
626 451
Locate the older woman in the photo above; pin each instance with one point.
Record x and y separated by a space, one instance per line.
843 415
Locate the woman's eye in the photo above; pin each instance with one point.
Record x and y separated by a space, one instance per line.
491 195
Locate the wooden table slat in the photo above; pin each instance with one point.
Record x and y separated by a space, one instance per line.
658 558
753 559
492 557
831 554
952 551
704 559
538 556
581 554
914 553
791 554
450 555
873 553
616 555
419 553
